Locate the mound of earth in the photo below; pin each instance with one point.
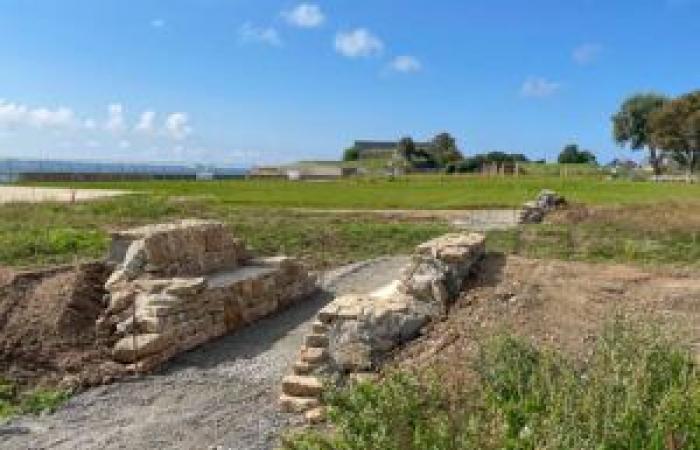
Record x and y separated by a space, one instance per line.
557 304
47 326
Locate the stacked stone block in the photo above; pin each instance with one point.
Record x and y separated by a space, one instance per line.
179 285
354 333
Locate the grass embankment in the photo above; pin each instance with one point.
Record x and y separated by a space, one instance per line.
14 401
413 192
637 390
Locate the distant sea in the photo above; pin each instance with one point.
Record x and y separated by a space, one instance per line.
10 168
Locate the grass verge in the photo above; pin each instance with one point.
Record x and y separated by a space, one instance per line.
14 401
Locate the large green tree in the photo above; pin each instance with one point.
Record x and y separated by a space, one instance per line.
406 148
632 127
675 128
571 154
444 148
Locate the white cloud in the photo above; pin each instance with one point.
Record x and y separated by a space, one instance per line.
157 23
538 87
124 144
586 53
358 43
89 124
146 123
250 34
115 118
177 125
305 15
13 115
406 64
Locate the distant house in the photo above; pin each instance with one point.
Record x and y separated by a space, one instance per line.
382 149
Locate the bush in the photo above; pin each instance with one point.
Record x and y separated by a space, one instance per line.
636 391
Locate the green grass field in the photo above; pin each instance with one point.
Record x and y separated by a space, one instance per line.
413 192
640 222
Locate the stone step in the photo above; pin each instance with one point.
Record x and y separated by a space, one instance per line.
313 355
302 386
319 328
315 415
293 404
303 368
316 341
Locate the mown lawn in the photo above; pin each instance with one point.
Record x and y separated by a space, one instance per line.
413 192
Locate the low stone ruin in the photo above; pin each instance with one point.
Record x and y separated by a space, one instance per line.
353 334
534 211
181 284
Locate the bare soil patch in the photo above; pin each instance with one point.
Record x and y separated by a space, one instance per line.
556 304
47 326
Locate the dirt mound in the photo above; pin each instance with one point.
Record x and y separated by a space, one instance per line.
556 304
47 326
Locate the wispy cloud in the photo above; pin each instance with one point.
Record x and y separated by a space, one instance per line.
17 115
305 15
405 64
177 125
538 87
158 23
251 34
115 118
586 53
358 43
146 123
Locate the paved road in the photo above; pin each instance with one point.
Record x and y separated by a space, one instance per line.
221 394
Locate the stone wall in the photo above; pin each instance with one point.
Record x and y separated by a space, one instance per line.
353 334
179 285
534 211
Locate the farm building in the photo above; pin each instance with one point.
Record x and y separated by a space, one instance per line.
302 172
382 149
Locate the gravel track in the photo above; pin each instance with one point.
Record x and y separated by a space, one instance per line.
221 395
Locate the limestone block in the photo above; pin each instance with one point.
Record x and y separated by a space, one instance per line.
302 386
146 344
313 355
297 405
316 340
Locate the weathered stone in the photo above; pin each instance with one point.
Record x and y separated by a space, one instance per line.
146 344
316 340
316 415
313 355
297 405
302 386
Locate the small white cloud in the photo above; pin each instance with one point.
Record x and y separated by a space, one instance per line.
146 123
13 115
250 34
177 125
115 118
537 87
89 124
358 43
92 144
586 53
158 23
124 144
406 64
305 15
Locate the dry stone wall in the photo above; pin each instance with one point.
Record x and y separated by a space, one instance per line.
354 333
179 285
534 211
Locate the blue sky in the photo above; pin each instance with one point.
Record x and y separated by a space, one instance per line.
244 82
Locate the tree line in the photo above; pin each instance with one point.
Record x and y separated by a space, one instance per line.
664 126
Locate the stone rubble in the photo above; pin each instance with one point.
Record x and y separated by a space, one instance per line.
534 211
179 285
353 334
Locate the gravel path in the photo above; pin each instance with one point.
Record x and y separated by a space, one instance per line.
221 395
